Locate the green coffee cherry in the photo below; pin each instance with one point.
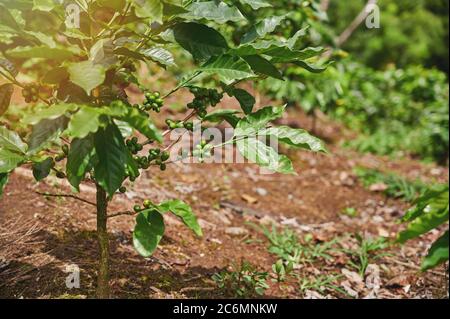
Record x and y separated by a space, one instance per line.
137 208
165 156
123 189
147 203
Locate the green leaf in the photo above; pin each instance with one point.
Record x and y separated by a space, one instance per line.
262 66
431 195
44 5
9 160
56 76
45 52
79 160
228 68
183 211
256 4
265 156
173 7
9 67
262 28
201 41
311 67
218 116
286 55
434 213
151 9
142 123
3 181
87 75
50 113
11 141
45 131
294 137
245 99
102 53
85 121
6 91
160 56
218 12
112 156
113 4
254 122
7 19
438 253
148 232
42 169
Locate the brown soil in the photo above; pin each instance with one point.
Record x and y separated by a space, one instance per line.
40 236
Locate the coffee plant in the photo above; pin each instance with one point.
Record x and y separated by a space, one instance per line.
78 124
429 213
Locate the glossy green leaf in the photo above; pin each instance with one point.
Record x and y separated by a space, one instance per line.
262 28
218 116
142 123
10 140
160 56
294 137
256 4
265 156
151 9
79 160
84 122
45 52
438 253
228 68
262 66
148 232
9 160
87 75
42 168
431 214
218 12
112 158
45 131
200 40
49 113
183 211
44 5
312 67
245 99
254 122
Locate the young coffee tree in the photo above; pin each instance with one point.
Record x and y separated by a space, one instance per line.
74 60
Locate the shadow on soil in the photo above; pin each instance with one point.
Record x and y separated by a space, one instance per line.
131 275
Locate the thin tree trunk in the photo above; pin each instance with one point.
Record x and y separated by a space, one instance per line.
103 242
355 24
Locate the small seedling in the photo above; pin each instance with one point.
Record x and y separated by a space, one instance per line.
244 281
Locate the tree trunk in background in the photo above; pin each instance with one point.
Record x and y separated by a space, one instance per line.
103 242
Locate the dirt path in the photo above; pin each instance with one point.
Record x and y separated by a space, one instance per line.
40 237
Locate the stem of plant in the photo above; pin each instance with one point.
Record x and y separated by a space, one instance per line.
103 291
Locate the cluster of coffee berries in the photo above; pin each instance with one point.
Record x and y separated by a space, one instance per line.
146 205
134 146
159 158
204 98
153 101
179 124
31 93
202 151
